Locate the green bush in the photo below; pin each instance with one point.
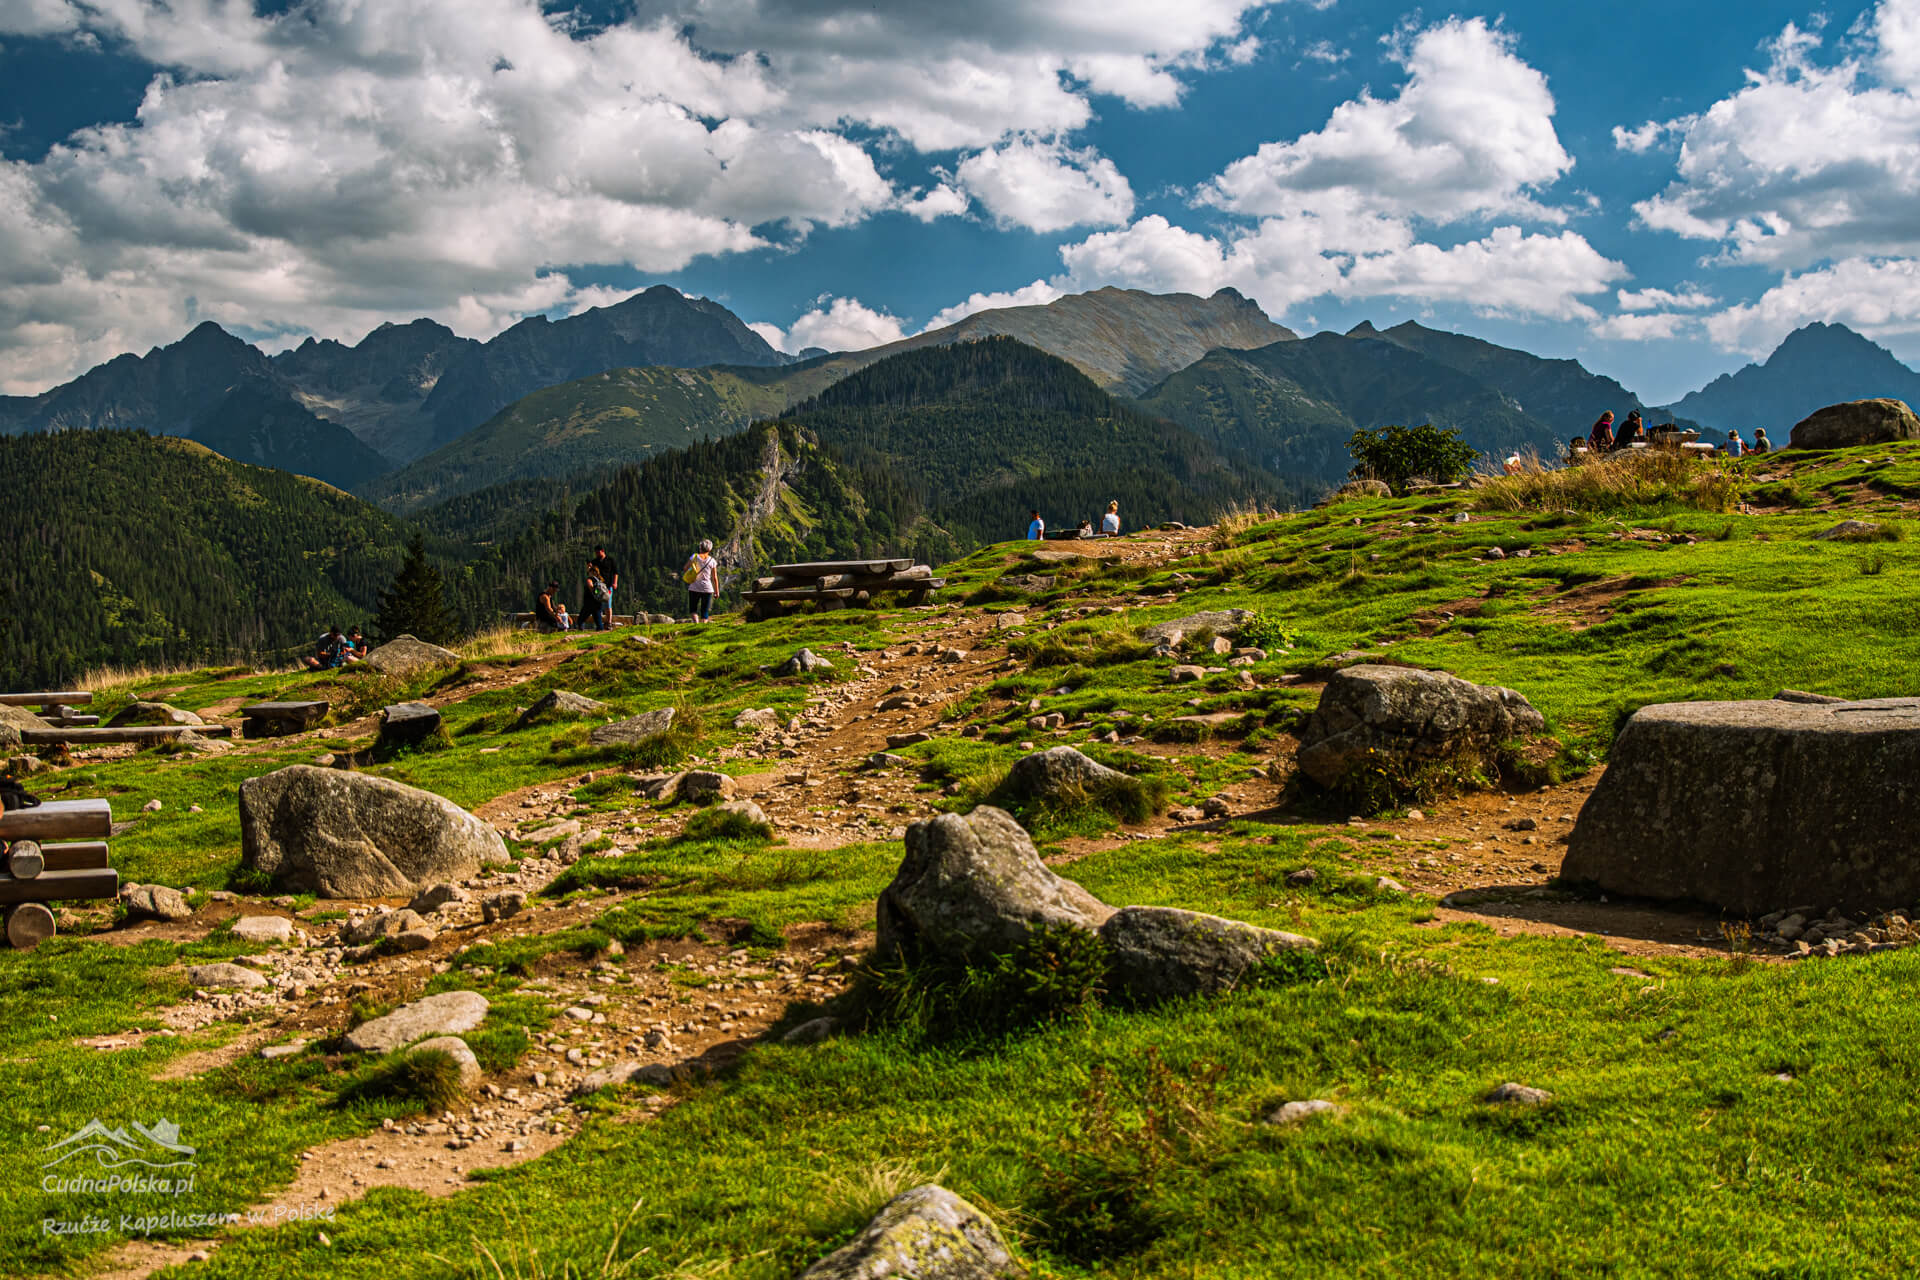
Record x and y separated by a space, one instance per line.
1397 454
726 824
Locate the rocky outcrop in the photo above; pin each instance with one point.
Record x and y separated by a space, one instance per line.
1059 773
1164 953
152 713
1757 806
1856 422
13 720
633 729
1221 622
974 887
1394 720
350 835
803 661
447 1014
404 656
927 1233
559 704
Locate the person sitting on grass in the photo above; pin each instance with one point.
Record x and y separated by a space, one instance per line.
1110 522
1760 442
1735 447
330 652
1600 439
1577 451
356 645
548 613
1630 435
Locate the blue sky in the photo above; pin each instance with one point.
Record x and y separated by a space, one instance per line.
1662 191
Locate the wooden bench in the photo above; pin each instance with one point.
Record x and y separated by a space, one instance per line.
145 734
46 701
278 719
56 852
837 584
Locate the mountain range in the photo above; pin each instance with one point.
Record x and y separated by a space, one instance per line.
1815 366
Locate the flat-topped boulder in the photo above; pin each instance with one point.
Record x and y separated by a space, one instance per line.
351 835
1756 806
927 1233
404 655
1060 773
1165 953
447 1014
1389 723
638 728
560 704
152 713
1878 421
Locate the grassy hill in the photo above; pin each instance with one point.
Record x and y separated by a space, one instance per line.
1686 1068
1291 406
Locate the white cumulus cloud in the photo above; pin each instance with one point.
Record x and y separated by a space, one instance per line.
1664 299
841 324
1880 299
1039 293
1044 185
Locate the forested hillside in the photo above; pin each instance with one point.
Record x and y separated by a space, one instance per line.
1293 405
128 548
980 432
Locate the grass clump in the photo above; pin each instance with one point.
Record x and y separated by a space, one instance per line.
425 1080
727 824
1121 797
1056 972
1632 480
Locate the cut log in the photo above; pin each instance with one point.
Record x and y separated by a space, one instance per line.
59 819
60 886
819 568
917 576
66 716
76 855
70 698
24 860
126 733
29 925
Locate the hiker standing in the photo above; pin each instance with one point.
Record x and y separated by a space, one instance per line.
702 576
610 575
1110 522
1037 528
599 602
1600 439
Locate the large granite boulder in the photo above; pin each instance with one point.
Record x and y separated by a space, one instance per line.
1059 773
350 835
973 887
1855 422
638 728
15 719
1394 720
1164 953
1221 622
927 1233
152 713
1758 806
404 655
447 1014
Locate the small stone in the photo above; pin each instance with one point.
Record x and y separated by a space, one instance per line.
263 929
1519 1095
1295 1113
151 806
1302 878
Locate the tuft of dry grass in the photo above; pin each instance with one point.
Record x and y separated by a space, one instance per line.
1231 529
502 641
108 680
1616 482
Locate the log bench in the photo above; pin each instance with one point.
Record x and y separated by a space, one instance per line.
56 852
278 719
47 702
144 734
837 584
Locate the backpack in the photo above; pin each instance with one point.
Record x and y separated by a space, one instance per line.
691 574
14 796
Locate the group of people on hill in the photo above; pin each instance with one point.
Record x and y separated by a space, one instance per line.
334 649
701 574
1633 434
1109 525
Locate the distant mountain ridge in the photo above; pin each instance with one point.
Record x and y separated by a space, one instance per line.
1126 340
403 389
1813 367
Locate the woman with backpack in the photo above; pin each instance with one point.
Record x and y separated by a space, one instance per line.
599 596
702 576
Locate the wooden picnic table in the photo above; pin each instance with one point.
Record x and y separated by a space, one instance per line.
837 584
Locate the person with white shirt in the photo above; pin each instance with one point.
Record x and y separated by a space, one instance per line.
1037 530
1110 522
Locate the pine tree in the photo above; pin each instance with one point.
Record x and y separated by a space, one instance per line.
416 603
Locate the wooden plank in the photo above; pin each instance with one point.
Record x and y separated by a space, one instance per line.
285 709
815 568
71 698
60 886
799 593
76 855
51 735
916 576
72 721
59 820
